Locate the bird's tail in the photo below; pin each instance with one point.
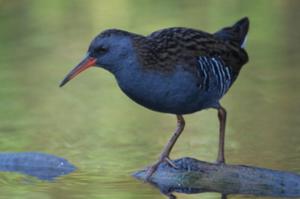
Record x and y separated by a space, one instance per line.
236 33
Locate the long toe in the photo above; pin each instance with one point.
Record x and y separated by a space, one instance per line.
170 162
151 170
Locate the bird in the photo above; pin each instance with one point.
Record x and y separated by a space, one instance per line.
174 70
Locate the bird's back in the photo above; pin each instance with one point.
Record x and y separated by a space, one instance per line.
167 48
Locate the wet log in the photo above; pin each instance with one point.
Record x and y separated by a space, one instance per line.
195 176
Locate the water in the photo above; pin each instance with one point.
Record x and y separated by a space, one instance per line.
91 123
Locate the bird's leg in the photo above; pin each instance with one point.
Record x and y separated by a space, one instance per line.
224 196
222 120
164 156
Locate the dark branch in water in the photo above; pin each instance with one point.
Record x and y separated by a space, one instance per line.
40 165
195 176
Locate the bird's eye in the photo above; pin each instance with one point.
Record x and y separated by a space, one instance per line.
100 50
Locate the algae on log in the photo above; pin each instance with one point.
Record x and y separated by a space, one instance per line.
195 176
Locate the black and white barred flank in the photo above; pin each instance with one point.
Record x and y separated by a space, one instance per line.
215 75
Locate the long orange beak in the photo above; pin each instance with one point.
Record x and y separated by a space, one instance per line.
86 63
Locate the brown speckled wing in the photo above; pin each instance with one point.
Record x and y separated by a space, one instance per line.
165 49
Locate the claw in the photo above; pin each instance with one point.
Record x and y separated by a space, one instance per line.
220 161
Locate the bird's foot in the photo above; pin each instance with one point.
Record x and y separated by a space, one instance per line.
150 171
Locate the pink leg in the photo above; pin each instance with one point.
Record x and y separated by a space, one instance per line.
164 156
222 120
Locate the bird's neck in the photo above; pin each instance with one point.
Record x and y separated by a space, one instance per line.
126 68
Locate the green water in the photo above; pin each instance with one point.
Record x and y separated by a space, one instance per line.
95 126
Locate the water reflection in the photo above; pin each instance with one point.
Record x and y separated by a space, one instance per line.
170 191
40 165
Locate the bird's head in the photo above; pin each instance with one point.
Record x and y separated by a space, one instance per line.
107 50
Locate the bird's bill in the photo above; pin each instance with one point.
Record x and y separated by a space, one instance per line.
86 63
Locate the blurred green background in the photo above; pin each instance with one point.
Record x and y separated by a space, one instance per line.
95 126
